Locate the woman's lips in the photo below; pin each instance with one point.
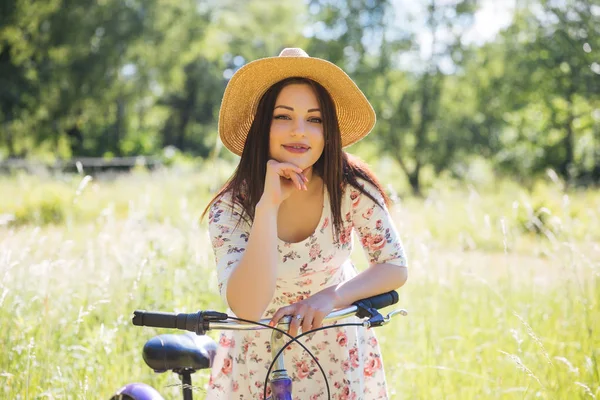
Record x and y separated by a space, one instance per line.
295 149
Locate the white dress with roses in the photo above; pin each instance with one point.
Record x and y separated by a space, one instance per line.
350 356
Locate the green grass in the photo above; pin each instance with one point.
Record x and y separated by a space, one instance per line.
503 299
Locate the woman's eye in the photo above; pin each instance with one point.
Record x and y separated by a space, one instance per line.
281 117
316 120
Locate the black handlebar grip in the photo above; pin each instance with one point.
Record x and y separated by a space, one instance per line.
154 319
380 301
198 322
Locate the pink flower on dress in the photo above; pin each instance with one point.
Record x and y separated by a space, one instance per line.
346 235
227 366
218 242
260 384
302 369
345 366
354 357
300 298
305 282
226 342
347 394
373 242
325 223
342 338
373 365
322 346
355 197
314 251
377 242
235 386
378 225
368 214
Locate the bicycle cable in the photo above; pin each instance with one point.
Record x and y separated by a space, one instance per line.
293 339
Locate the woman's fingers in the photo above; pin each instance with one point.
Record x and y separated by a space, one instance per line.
301 316
293 311
307 321
291 172
285 166
317 320
299 181
294 174
296 320
279 314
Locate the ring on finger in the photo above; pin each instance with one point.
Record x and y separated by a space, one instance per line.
298 317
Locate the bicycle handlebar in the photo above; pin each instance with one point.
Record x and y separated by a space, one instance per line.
202 321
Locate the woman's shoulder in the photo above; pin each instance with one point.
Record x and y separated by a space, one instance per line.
362 189
224 205
220 202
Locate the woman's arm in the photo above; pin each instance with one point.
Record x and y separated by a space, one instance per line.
376 279
382 245
251 284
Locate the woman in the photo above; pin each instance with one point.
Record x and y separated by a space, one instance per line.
281 228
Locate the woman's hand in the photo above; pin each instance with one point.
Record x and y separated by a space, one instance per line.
281 180
308 313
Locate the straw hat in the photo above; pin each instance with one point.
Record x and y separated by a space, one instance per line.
355 114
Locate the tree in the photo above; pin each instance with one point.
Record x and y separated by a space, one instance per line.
555 89
416 129
113 77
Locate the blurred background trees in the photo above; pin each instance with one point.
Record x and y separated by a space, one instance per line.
130 77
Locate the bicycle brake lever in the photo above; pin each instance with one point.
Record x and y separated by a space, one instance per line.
401 311
214 316
379 320
200 322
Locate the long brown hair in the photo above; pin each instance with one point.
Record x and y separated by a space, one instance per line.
336 167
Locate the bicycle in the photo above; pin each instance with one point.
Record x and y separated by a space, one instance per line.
187 353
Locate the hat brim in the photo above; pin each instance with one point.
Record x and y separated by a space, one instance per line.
355 114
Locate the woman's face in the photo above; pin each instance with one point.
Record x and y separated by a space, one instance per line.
296 134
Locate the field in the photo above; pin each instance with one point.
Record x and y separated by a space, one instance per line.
503 292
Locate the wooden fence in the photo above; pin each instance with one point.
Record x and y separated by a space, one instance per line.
82 164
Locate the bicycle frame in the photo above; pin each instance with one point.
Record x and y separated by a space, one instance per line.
279 381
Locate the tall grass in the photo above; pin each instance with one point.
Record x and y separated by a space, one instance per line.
503 293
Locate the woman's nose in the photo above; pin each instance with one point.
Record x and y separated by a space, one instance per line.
299 128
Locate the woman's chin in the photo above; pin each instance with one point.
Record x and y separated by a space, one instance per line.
302 162
298 161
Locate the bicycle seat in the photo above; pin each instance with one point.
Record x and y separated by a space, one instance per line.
186 351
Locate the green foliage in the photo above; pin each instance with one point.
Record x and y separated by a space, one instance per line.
74 199
550 119
30 200
92 78
49 209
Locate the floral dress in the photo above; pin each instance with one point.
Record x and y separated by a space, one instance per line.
350 356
